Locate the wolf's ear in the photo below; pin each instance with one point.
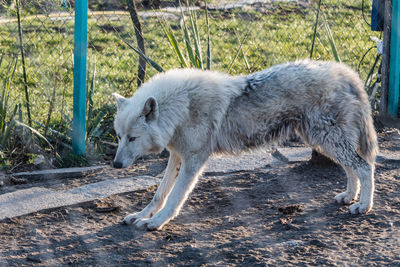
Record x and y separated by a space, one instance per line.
121 101
150 109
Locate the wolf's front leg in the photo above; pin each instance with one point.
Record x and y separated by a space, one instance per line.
187 178
162 192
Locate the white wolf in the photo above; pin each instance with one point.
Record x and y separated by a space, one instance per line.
196 113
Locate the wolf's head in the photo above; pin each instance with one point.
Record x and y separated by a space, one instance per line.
136 128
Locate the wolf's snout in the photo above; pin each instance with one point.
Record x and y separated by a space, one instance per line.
117 164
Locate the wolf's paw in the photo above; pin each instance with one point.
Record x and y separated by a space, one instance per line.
131 218
344 198
360 208
148 224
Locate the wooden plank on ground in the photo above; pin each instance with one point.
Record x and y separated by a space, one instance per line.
58 173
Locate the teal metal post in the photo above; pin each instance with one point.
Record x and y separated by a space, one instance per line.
80 53
394 75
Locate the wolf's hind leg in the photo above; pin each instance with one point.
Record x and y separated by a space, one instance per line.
366 174
162 192
353 188
345 154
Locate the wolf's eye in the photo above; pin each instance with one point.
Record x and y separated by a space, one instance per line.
119 137
131 139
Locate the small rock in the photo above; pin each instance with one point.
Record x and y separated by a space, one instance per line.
11 220
291 209
107 209
3 179
39 160
392 135
285 221
291 243
318 243
17 181
34 258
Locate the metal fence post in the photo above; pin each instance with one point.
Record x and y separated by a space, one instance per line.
79 101
394 74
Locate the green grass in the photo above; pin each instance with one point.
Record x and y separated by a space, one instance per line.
279 34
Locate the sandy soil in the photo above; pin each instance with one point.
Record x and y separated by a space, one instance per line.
270 216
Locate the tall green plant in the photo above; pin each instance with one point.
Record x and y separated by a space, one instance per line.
6 93
141 54
7 125
11 126
315 28
331 39
192 54
94 118
21 47
328 34
241 42
208 40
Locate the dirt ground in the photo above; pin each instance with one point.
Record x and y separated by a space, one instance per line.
270 216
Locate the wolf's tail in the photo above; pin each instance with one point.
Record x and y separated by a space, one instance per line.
368 139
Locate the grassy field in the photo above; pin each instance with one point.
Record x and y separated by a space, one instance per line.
269 35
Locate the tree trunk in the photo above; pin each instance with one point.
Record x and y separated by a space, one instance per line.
383 108
140 41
